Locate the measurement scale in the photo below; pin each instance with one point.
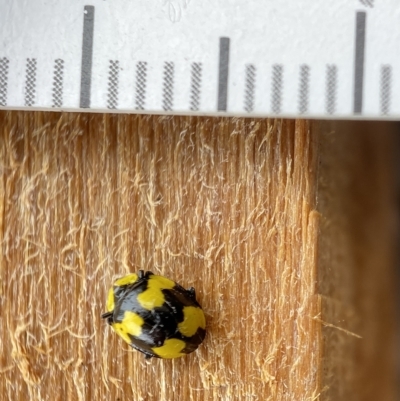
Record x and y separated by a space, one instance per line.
289 58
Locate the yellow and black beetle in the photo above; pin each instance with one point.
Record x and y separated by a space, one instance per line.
155 315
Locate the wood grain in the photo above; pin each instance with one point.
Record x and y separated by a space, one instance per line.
358 245
228 206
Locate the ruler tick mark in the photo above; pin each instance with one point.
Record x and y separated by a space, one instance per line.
249 87
331 85
168 87
58 83
87 56
3 80
277 84
386 86
359 62
195 86
304 88
30 82
113 79
223 73
141 76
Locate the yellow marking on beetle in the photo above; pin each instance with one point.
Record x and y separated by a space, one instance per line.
193 318
131 324
110 300
129 279
153 296
171 349
119 328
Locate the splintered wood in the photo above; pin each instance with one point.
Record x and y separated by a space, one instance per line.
227 206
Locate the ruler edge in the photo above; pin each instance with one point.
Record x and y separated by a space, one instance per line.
224 114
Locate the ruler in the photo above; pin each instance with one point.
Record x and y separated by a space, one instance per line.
289 58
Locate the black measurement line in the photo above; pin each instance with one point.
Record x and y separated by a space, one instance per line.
331 85
87 56
141 77
277 84
3 80
304 88
386 86
168 87
58 79
359 61
30 82
195 86
223 73
113 80
250 85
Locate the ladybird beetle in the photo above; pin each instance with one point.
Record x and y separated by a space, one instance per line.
155 315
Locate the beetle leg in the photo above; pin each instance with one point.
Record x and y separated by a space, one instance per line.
107 315
192 293
147 355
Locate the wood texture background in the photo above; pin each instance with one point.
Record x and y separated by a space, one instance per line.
358 200
228 206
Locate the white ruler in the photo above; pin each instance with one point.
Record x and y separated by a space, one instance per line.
324 59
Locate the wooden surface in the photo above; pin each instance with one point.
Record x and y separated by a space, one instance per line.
236 208
358 257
